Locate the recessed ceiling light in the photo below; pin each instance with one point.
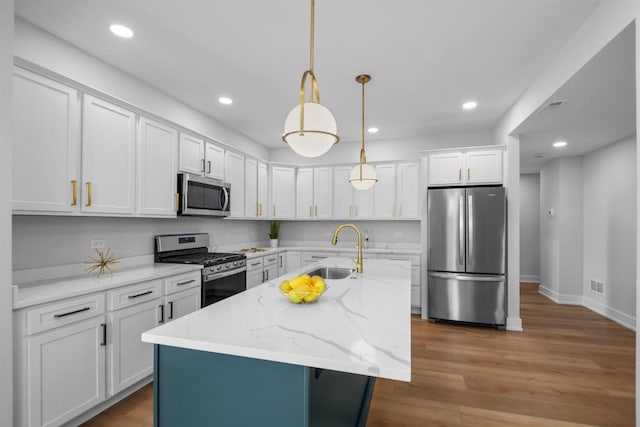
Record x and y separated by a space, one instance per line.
560 144
121 31
225 100
469 105
373 130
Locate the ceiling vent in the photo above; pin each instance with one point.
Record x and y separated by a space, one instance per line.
552 106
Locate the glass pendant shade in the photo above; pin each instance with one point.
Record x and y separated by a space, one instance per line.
319 133
364 181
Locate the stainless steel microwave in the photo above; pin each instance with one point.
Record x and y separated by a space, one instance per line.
201 196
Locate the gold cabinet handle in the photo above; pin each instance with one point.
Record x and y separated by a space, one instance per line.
459 174
89 193
260 211
74 200
311 211
257 209
350 210
468 174
316 210
177 201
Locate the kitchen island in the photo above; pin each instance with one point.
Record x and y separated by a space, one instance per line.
257 359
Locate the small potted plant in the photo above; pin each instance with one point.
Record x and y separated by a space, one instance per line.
274 231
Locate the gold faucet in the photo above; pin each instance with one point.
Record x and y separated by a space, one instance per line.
335 240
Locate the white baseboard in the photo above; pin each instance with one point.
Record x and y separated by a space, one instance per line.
529 279
610 313
514 324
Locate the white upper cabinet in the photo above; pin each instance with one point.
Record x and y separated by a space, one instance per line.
251 208
466 168
314 193
214 161
304 193
108 157
263 190
385 192
363 203
407 194
191 154
484 167
283 192
342 193
157 159
235 177
46 146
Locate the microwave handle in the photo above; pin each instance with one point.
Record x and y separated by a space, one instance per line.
225 205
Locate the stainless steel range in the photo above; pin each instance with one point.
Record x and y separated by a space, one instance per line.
223 275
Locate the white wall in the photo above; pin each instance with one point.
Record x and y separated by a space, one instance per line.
6 81
609 198
383 150
41 241
530 227
561 232
49 52
381 233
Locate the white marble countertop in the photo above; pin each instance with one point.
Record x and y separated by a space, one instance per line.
43 291
334 249
360 325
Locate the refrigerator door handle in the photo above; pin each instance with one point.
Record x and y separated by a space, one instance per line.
461 231
470 225
467 278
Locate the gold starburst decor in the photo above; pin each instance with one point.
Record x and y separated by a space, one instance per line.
104 261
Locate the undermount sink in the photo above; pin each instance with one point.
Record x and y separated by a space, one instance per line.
332 272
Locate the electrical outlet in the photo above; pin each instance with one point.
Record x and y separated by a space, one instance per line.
397 234
97 244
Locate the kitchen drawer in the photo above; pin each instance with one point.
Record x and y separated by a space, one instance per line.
311 257
255 264
182 282
45 317
415 296
415 259
134 294
270 259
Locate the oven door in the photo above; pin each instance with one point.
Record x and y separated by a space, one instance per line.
200 196
218 286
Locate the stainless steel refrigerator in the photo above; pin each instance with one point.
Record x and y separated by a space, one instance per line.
466 260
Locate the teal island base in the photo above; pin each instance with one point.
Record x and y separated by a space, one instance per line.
197 388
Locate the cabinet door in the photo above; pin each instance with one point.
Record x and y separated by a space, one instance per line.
363 203
254 278
408 190
235 177
214 157
66 372
271 272
294 260
182 303
130 359
157 168
282 263
304 194
283 189
342 193
108 157
46 144
322 193
263 192
385 192
251 208
484 167
191 154
446 169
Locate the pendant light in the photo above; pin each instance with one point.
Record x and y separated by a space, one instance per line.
363 176
310 128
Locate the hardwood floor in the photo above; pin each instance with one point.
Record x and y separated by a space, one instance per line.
569 367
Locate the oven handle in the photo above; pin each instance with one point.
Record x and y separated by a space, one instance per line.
225 274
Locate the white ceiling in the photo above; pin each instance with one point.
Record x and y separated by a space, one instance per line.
426 57
601 108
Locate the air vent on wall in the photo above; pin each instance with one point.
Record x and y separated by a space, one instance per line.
552 106
597 287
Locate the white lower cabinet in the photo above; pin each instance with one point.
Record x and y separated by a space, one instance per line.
75 353
255 272
129 359
282 263
270 267
294 260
